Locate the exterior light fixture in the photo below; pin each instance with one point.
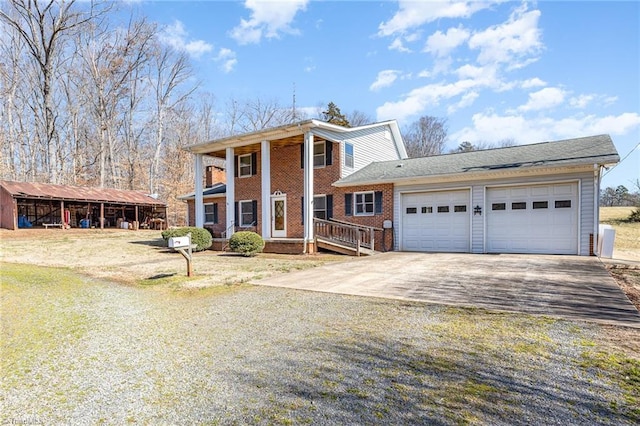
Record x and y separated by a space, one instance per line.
477 210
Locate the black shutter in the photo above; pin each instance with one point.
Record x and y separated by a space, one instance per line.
328 150
302 209
254 212
215 213
236 221
254 163
235 166
302 156
378 202
348 204
329 206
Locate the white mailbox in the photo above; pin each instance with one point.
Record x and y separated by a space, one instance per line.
177 242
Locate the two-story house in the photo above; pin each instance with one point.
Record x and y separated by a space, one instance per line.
277 180
286 182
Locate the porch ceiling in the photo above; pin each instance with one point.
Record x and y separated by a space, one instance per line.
276 143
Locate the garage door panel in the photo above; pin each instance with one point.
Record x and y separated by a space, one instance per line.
440 223
518 227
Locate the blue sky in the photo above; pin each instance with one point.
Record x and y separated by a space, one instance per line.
527 71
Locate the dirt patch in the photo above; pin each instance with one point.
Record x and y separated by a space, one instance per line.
135 257
628 278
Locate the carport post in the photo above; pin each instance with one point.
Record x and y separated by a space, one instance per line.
62 213
101 215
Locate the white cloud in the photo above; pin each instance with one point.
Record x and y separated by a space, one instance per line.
176 36
581 101
412 14
514 42
493 127
268 19
467 100
532 82
441 44
419 99
385 79
227 58
548 97
397 44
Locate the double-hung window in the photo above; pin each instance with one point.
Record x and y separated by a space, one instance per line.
246 213
364 203
320 206
211 213
319 154
244 165
348 155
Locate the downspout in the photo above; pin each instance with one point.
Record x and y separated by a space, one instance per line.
597 176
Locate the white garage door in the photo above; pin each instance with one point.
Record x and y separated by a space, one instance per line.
533 219
436 221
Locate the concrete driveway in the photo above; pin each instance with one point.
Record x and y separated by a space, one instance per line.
573 287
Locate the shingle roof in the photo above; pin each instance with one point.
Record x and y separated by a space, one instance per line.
218 188
78 193
580 151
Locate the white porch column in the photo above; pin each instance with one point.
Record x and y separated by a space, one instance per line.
231 191
265 171
199 204
308 189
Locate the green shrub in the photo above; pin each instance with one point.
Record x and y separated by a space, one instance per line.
199 236
634 216
247 243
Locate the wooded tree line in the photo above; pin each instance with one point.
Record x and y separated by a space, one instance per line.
91 99
621 196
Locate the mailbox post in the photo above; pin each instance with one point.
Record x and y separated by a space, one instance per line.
183 246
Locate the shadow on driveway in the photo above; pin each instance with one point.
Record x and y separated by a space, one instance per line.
573 287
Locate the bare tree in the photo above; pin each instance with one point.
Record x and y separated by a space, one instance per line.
359 118
44 27
426 137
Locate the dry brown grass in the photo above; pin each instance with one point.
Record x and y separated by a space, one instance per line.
627 241
139 257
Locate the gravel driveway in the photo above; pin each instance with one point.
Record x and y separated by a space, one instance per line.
91 352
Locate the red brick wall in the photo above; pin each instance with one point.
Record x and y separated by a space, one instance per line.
214 175
218 228
250 188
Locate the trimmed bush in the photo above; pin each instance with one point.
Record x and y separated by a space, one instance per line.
199 236
246 243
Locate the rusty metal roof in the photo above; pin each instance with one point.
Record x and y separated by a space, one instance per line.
78 193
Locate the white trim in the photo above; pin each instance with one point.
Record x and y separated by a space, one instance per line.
325 204
204 214
251 165
355 203
240 224
265 179
272 221
324 154
231 192
199 203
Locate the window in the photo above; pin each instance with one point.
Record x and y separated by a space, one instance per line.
319 154
540 204
246 210
498 206
563 204
348 155
211 213
364 203
412 210
519 206
459 209
245 165
320 207
443 209
427 210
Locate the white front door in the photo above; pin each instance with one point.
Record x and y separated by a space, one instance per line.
279 216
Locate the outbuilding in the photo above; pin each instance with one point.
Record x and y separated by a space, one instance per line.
29 204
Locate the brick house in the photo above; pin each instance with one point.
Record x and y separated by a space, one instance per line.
276 181
286 182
